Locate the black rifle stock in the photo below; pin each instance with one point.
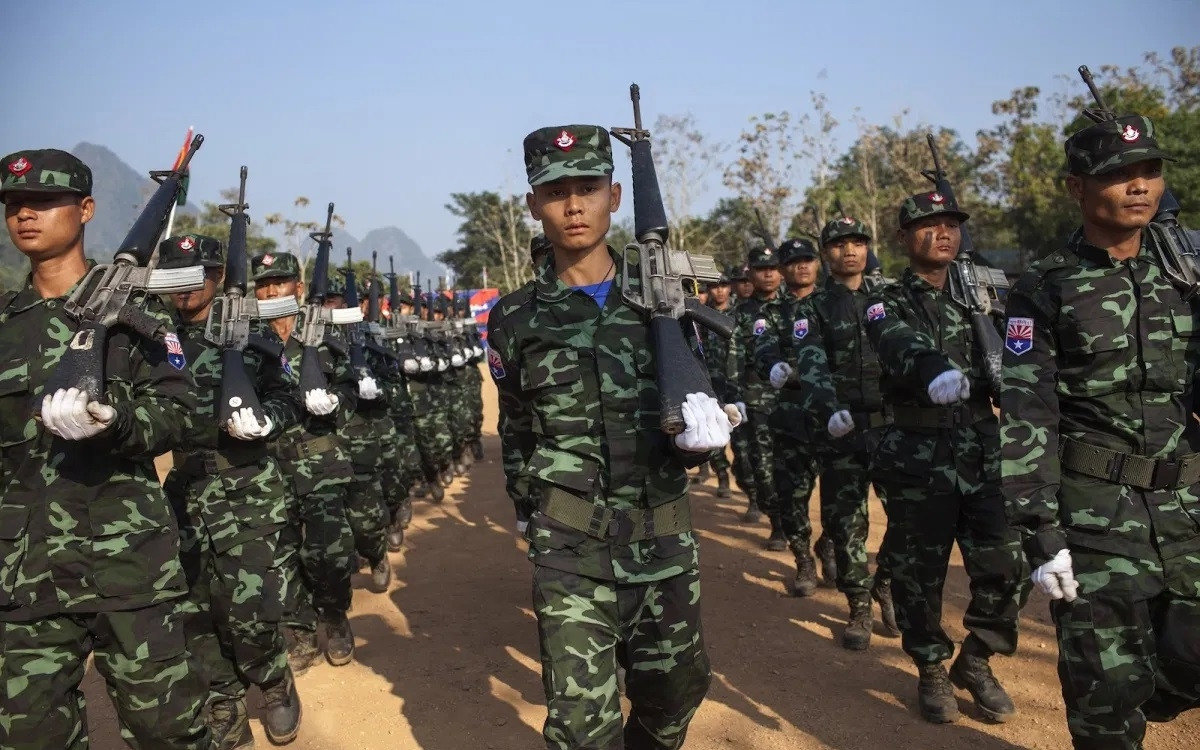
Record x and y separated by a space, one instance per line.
111 294
315 318
661 293
355 335
972 285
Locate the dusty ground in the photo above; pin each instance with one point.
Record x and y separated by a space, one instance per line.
448 658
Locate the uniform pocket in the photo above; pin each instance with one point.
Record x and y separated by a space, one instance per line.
129 563
1096 357
14 543
553 383
1102 654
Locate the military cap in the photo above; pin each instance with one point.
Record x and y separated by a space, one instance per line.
44 170
739 272
846 226
796 249
763 257
920 205
1112 144
274 266
405 298
336 286
191 250
724 278
567 151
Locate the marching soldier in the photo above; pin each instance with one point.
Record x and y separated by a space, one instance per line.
716 349
739 440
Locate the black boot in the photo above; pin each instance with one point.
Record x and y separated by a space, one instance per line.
824 550
935 695
420 490
477 449
701 475
805 582
303 650
447 476
881 592
973 673
722 484
281 718
777 542
381 575
752 514
436 493
395 536
339 646
405 514
230 724
857 635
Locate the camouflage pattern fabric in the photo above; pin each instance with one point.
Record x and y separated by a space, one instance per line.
1105 146
429 423
1106 353
44 170
744 384
395 475
942 484
567 151
370 436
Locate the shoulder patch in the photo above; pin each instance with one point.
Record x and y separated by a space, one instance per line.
760 326
495 364
800 328
174 351
286 364
1018 335
876 312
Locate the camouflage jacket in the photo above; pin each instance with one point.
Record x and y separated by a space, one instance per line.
579 410
368 430
716 350
743 383
919 332
776 343
1103 352
835 366
84 525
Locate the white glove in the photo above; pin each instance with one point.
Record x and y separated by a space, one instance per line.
521 526
68 414
780 374
477 351
707 428
741 407
1056 577
735 416
841 424
411 366
441 365
426 364
368 389
949 387
320 402
243 425
457 360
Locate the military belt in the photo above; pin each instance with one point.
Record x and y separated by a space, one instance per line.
623 526
1129 468
201 463
938 417
309 448
869 419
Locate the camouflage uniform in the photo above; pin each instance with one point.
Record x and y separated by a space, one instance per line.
578 418
739 440
1100 448
370 439
430 426
715 350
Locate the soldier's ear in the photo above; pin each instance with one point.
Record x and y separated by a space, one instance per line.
1075 187
534 210
87 208
614 197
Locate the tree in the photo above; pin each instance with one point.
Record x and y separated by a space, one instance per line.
211 222
494 235
684 160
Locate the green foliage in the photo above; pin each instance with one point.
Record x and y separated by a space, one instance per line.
494 235
212 223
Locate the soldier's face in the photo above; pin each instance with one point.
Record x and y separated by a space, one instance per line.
1121 200
765 280
932 242
744 288
334 302
276 288
189 303
43 225
801 273
703 296
576 212
847 256
719 294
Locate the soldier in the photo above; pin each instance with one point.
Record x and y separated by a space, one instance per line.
753 395
739 441
89 547
837 377
235 500
716 349
742 288
434 438
615 575
1101 447
938 463
314 458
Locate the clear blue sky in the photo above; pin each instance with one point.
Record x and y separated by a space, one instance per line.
387 107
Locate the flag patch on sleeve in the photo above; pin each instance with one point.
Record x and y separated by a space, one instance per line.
1018 335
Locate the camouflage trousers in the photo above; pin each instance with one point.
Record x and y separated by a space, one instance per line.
845 483
366 510
235 607
1129 646
399 475
762 462
474 380
141 655
739 442
923 525
794 476
325 544
430 425
587 627
720 462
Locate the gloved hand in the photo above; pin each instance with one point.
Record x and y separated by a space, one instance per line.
68 414
411 366
521 526
949 387
780 374
840 424
320 402
243 425
426 364
735 416
706 426
1056 577
457 360
442 366
368 389
741 407
477 351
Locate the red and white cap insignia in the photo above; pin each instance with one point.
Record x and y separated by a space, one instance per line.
565 140
1130 134
20 166
268 259
847 220
186 244
937 198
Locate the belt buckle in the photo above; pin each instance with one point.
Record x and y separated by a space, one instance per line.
1166 474
1115 467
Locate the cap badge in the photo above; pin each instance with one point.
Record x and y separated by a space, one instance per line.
847 220
20 166
937 198
1130 134
766 251
186 244
565 140
268 259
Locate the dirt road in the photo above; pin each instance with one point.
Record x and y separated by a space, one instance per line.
447 660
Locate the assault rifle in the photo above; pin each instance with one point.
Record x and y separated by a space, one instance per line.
660 293
229 317
112 294
355 333
375 337
315 317
1178 253
972 285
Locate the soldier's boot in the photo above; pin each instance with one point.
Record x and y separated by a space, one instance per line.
777 542
824 550
477 449
881 592
395 534
857 635
973 673
458 466
436 493
467 459
447 476
381 576
230 724
405 512
303 650
935 694
805 582
752 514
281 717
723 484
701 475
339 646
420 490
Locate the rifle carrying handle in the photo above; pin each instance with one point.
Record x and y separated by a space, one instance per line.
678 372
237 390
82 364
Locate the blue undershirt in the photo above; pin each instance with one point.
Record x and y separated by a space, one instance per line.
598 292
